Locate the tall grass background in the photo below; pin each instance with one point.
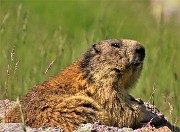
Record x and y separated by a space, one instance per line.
35 34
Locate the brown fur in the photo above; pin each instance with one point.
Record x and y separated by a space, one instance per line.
94 88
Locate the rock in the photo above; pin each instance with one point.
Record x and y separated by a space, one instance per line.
5 106
17 127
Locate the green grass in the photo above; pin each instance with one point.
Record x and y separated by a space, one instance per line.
41 31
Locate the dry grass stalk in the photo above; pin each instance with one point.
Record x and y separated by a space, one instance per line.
8 69
8 79
152 95
22 116
3 22
16 67
24 27
171 109
12 55
49 67
5 19
164 98
7 83
177 121
19 11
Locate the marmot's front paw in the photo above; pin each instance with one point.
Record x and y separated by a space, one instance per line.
152 115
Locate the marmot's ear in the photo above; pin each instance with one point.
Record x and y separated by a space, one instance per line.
96 48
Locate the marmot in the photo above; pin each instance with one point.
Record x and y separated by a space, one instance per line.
94 88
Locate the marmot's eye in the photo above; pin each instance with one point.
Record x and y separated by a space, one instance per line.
115 45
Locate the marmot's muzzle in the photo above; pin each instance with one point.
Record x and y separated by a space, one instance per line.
140 52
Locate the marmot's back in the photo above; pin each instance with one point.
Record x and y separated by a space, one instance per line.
94 88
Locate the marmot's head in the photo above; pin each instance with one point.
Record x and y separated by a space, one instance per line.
120 59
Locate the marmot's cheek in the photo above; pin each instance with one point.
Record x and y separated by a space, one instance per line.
125 63
131 58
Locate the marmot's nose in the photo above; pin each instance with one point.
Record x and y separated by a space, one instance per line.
140 52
